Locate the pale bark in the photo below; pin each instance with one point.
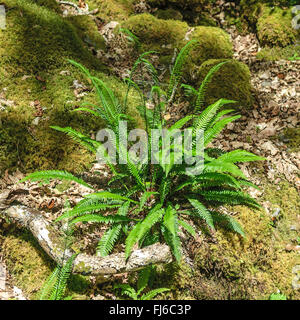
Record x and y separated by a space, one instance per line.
52 242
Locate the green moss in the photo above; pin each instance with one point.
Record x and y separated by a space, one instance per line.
38 39
213 43
26 262
231 82
278 53
36 69
87 29
30 267
168 14
35 147
156 33
165 35
50 4
293 137
112 10
274 27
181 4
231 267
250 12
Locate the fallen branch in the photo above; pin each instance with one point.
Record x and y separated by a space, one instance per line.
52 242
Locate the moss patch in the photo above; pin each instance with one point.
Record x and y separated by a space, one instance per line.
274 27
37 39
231 268
112 10
26 262
164 36
38 70
293 137
30 267
278 53
231 82
156 33
168 14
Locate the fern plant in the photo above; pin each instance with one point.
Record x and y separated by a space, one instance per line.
149 202
55 286
142 283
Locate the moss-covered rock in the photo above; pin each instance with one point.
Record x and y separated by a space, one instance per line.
231 82
168 14
112 10
274 27
164 36
157 34
181 4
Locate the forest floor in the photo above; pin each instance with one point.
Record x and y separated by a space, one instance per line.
265 130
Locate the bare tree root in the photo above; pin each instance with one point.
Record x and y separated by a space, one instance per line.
52 242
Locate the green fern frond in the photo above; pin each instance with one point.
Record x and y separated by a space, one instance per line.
100 218
189 91
180 123
141 228
117 177
127 290
210 179
108 240
144 276
80 67
82 209
153 293
187 227
173 241
204 119
164 188
228 222
131 37
45 176
221 167
48 286
93 112
211 133
249 184
230 197
240 156
202 90
202 212
170 219
219 116
105 195
79 138
62 279
177 69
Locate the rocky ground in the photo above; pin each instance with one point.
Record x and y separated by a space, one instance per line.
262 130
